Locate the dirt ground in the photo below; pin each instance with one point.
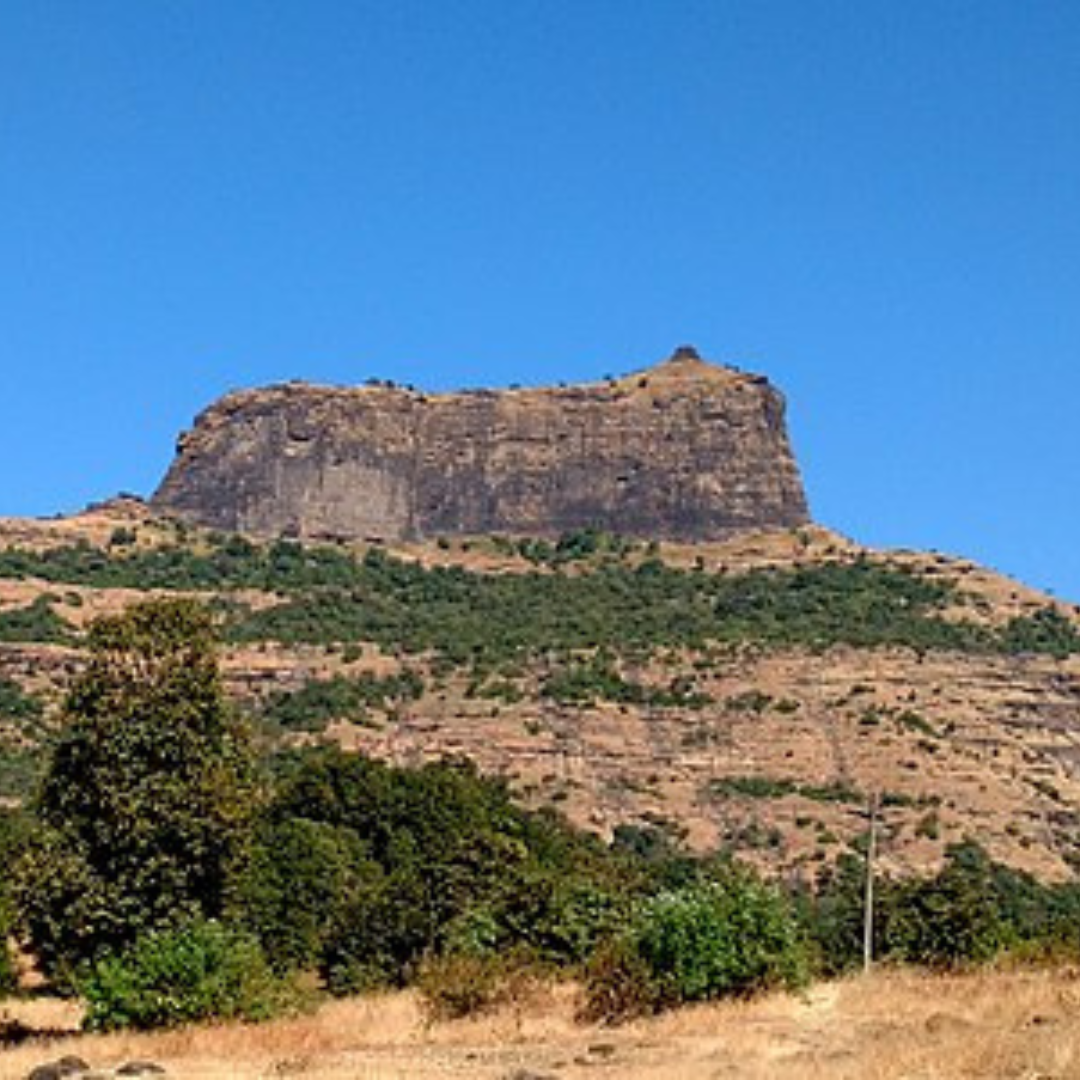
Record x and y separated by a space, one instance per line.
891 1026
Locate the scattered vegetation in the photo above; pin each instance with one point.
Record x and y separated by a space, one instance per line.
768 787
1046 631
167 878
35 622
16 704
583 682
583 545
477 618
594 591
321 700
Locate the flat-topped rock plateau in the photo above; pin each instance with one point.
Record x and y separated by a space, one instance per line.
685 450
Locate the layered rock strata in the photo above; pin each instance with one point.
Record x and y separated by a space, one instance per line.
684 450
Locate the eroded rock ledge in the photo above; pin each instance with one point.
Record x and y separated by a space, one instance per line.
684 450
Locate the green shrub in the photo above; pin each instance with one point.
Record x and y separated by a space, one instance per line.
16 704
769 787
20 770
719 939
833 913
7 967
7 961
835 792
956 918
35 622
205 971
753 787
556 916
314 705
711 939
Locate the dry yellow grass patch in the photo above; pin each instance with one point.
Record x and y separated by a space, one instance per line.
1019 1025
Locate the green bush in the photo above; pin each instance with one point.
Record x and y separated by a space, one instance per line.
711 939
7 962
955 918
20 733
16 704
313 706
205 971
7 965
20 770
35 622
558 918
770 787
832 916
718 939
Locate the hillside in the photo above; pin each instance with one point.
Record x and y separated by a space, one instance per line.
750 693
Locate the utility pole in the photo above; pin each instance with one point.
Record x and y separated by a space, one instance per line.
868 908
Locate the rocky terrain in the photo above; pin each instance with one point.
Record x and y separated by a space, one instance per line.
771 744
684 450
610 595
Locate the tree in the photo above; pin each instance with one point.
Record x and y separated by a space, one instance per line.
147 800
951 919
13 834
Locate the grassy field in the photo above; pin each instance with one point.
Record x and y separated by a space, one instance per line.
1020 1025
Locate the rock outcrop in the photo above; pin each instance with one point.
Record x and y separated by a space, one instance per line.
684 450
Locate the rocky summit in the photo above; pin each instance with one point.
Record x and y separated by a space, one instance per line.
685 450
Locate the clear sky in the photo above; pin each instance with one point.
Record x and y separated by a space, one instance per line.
877 204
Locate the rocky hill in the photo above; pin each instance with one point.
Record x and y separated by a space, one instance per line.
608 594
751 693
685 450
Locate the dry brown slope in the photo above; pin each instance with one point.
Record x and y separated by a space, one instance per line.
777 763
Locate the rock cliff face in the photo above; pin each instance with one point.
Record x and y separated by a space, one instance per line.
684 450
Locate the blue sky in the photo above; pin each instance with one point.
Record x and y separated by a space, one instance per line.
876 204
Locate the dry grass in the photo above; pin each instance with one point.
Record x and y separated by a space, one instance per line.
1020 1025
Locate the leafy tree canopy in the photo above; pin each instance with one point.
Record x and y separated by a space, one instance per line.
147 800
